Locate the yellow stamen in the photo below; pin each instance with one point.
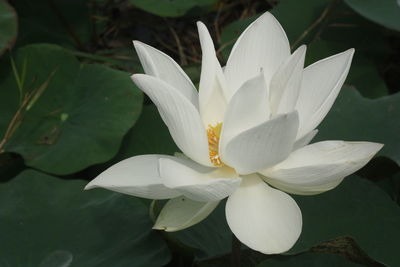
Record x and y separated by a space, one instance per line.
213 133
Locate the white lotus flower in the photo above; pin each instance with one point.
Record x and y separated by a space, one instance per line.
248 128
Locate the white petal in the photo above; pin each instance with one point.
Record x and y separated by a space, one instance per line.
160 65
305 140
262 146
263 218
321 166
262 46
197 182
212 86
180 115
286 82
180 213
320 86
247 108
137 176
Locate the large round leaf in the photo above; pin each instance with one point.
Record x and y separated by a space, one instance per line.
80 117
355 118
47 222
309 260
384 12
358 209
170 8
8 25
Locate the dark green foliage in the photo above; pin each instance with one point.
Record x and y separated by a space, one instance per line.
47 221
68 108
171 8
385 12
78 106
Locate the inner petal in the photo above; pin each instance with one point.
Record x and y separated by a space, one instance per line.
213 134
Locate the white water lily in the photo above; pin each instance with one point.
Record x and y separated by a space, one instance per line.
246 130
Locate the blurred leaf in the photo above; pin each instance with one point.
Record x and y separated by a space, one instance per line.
80 118
357 208
364 76
300 18
170 8
354 118
8 26
65 22
363 72
51 222
384 12
350 30
392 186
309 260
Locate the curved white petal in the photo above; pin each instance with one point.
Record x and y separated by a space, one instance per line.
305 140
248 108
181 213
286 82
212 88
197 182
319 88
263 218
180 115
137 176
262 146
160 65
319 167
262 46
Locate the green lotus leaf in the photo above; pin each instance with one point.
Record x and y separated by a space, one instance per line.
75 115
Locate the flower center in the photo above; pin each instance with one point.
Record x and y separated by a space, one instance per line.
213 133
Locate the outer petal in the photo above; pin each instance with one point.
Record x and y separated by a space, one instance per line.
197 182
212 88
320 86
180 115
262 146
160 65
180 213
248 108
137 176
286 82
305 140
262 46
321 166
263 218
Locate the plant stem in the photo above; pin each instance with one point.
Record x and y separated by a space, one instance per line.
235 253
